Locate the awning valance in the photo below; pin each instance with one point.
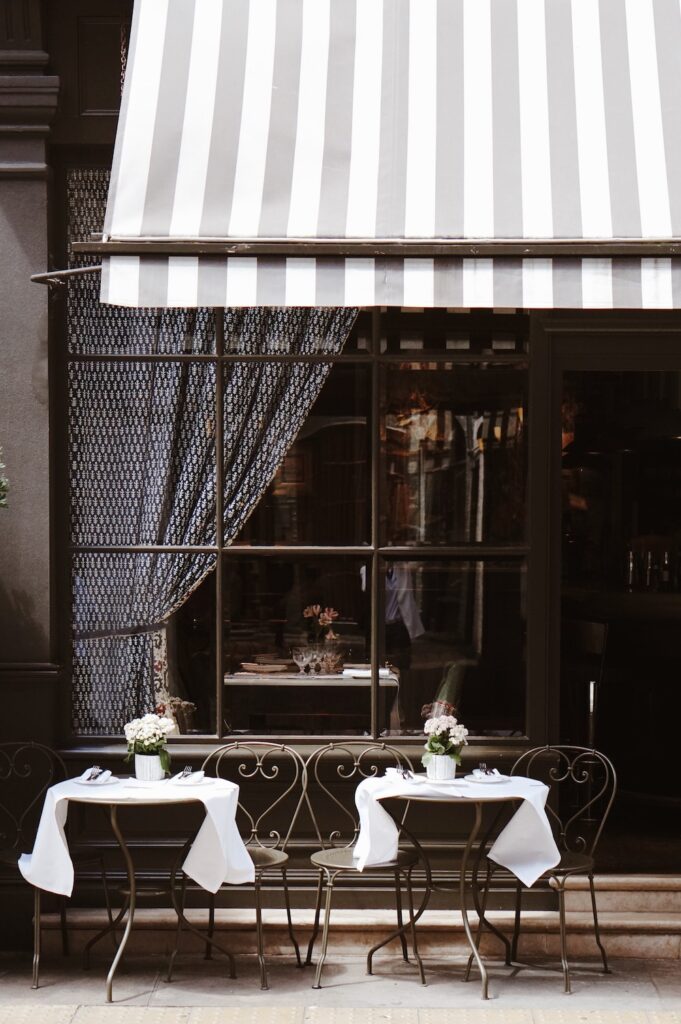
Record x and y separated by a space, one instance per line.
397 119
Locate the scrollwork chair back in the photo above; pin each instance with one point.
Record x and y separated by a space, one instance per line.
332 765
255 767
27 770
583 784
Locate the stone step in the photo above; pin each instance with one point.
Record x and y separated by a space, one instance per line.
626 893
440 933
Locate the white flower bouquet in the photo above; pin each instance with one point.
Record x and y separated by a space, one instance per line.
446 737
149 735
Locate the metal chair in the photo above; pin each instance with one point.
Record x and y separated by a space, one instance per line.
27 770
328 766
259 764
583 786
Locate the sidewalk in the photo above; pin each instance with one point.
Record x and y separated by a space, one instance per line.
637 992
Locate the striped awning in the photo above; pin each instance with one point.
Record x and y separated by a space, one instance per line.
380 122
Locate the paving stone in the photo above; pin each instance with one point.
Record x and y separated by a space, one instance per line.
572 1016
246 1015
359 1015
475 1015
29 1015
131 1015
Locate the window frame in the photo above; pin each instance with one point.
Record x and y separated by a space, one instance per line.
376 553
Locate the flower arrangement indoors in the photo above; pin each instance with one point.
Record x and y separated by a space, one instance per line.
320 622
147 739
446 739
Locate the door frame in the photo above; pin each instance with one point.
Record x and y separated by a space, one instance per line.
590 340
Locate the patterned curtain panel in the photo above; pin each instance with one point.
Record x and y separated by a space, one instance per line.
142 464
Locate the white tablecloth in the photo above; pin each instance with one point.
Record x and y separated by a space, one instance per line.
218 854
525 846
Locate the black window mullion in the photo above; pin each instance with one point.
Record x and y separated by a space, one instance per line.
219 527
376 602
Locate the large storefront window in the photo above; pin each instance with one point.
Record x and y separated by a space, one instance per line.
372 464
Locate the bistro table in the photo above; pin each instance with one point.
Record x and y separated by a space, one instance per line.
216 855
525 846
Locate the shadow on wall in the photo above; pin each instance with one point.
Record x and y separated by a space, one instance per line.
20 634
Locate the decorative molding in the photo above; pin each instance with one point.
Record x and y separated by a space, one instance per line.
26 62
28 99
26 170
21 26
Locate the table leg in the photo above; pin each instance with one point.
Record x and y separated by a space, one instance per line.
481 905
413 919
130 868
462 899
178 906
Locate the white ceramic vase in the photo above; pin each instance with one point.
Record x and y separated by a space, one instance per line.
441 767
148 768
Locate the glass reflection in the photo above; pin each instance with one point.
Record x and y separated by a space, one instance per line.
454 450
455 631
296 645
319 494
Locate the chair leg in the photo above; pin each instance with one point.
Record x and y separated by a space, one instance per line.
208 955
63 927
516 923
400 922
325 934
178 931
597 930
563 935
291 933
36 938
412 926
258 928
483 908
315 926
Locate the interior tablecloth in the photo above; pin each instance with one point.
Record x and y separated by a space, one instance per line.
217 855
525 846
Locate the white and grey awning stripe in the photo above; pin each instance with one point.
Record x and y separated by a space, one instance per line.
560 283
398 119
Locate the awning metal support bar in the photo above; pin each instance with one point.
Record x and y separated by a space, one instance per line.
426 248
59 277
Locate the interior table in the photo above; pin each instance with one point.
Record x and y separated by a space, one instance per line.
525 846
389 687
215 855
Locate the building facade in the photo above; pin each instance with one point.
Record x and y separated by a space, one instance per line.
486 492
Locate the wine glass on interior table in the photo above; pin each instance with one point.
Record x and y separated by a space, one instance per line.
301 657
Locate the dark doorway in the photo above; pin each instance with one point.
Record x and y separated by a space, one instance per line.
620 583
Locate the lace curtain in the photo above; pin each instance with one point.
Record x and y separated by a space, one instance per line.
142 464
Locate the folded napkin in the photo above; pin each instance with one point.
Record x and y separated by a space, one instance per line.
478 774
365 673
104 777
395 775
188 780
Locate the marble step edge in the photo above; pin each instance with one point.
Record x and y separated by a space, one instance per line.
436 921
626 883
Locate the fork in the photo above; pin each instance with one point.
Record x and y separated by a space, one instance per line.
186 771
94 773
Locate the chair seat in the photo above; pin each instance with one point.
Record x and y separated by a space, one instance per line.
341 859
267 857
572 863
